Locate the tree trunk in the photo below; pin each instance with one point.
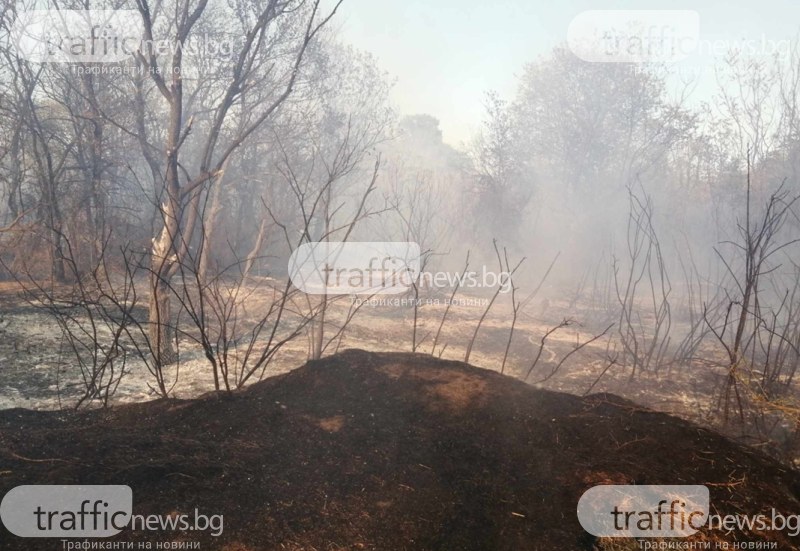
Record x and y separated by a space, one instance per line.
165 246
161 331
57 253
209 228
56 236
161 328
319 329
253 256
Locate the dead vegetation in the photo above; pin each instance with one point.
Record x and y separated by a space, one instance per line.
387 451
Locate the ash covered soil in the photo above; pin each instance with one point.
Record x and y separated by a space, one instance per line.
386 451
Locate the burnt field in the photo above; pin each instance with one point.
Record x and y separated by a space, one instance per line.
388 451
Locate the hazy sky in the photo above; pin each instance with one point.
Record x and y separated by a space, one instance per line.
444 54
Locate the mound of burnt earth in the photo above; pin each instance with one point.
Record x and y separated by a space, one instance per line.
386 451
